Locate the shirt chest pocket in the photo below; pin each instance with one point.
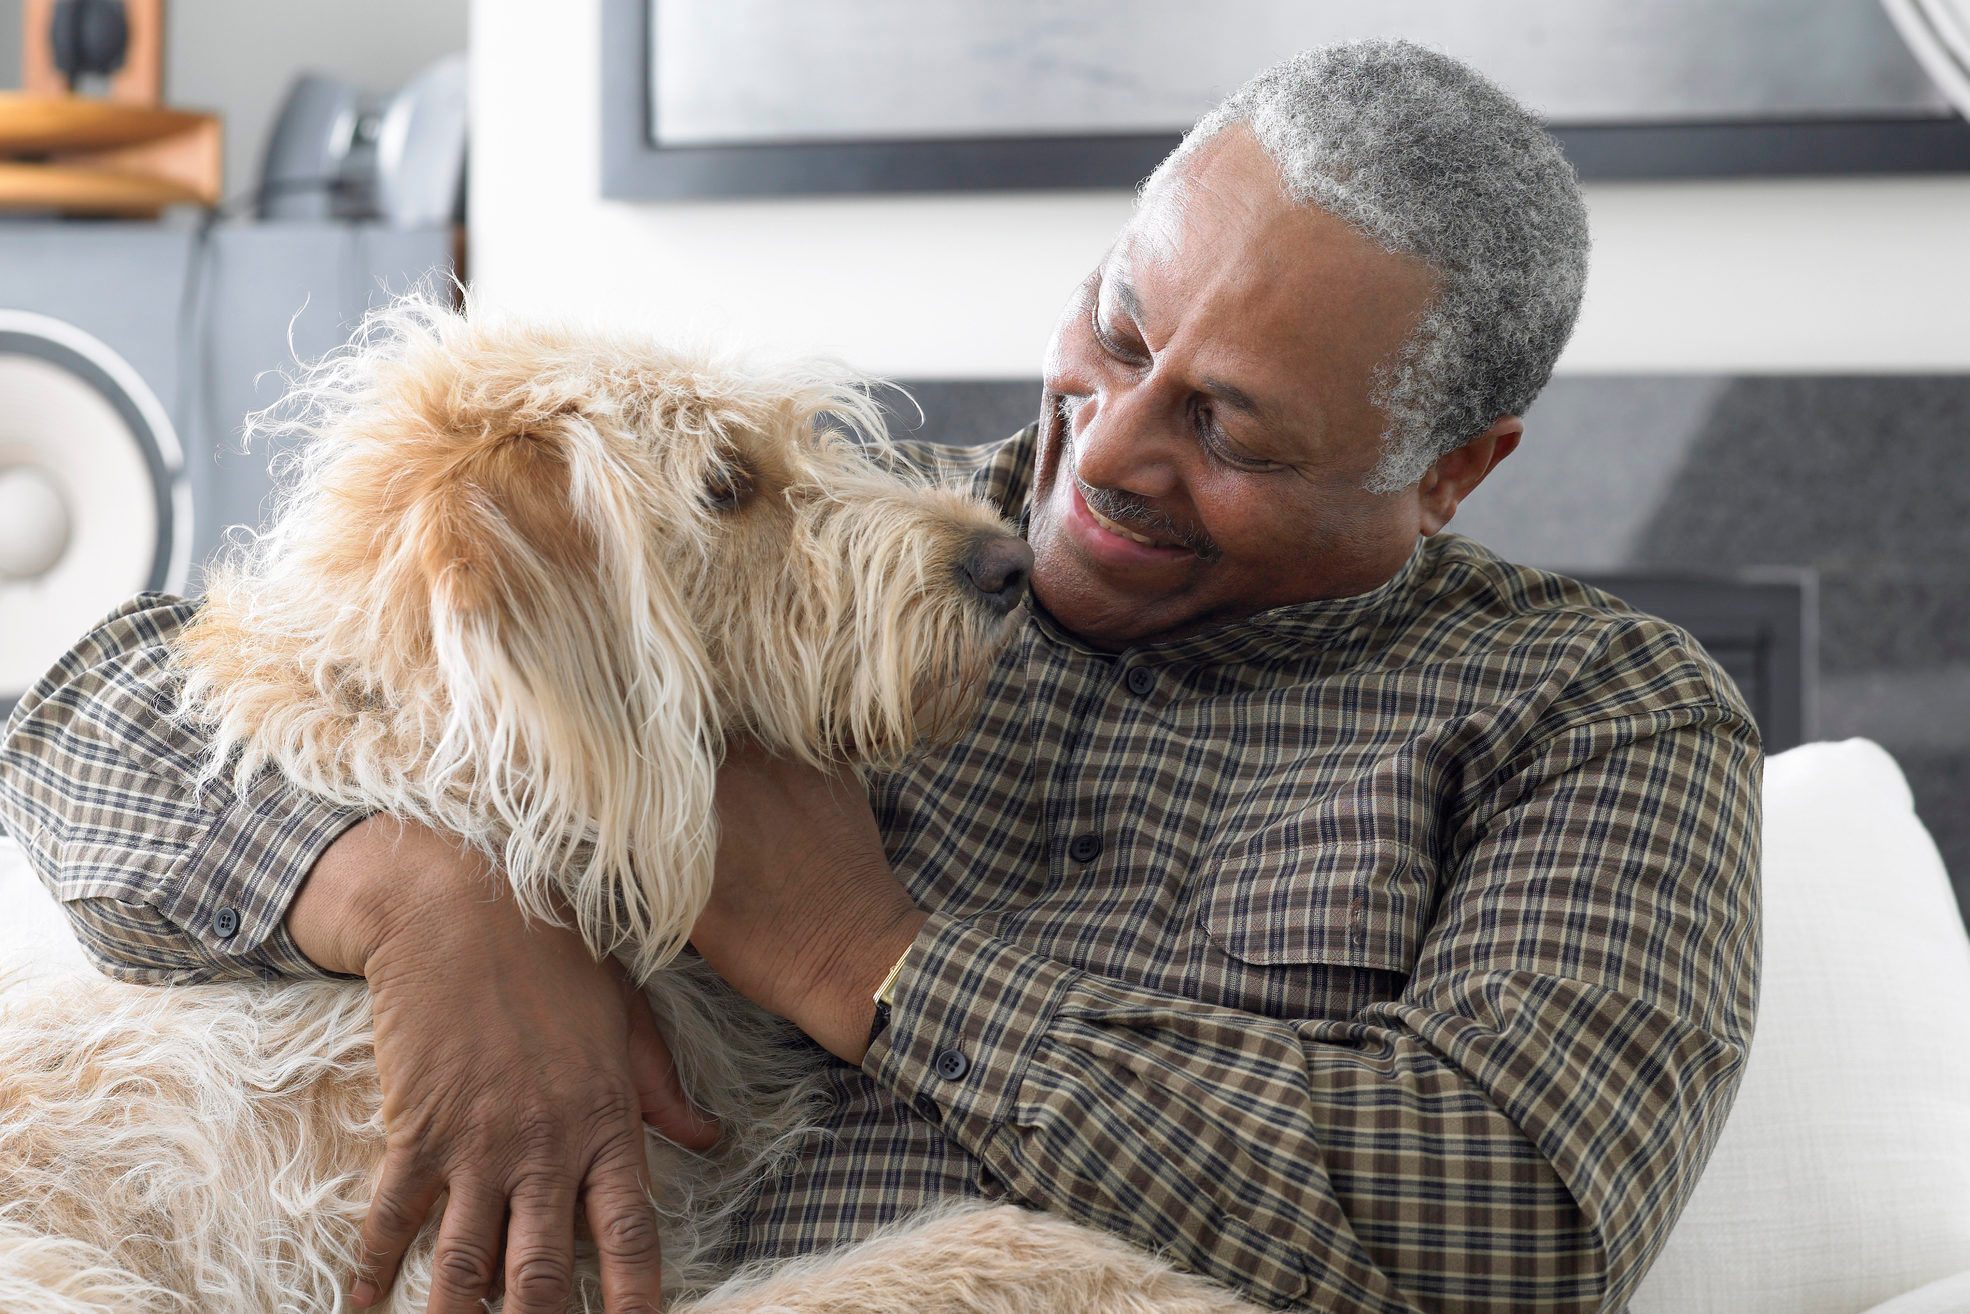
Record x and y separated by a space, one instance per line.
1294 894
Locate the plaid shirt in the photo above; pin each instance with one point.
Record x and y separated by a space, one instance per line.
1394 952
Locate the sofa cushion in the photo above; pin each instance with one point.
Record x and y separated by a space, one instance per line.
1842 1177
34 936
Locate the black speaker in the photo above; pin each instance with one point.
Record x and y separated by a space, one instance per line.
89 38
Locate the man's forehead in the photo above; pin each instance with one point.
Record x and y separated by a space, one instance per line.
1158 218
1221 185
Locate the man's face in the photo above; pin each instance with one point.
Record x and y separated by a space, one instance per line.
1207 390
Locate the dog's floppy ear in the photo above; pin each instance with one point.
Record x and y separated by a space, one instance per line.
461 614
580 713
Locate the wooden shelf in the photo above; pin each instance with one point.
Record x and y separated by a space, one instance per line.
99 157
88 191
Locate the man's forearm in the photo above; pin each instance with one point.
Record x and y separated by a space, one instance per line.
805 917
838 1011
162 880
825 964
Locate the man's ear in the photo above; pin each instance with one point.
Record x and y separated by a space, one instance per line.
1455 474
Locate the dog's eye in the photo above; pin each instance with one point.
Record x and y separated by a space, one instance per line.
727 487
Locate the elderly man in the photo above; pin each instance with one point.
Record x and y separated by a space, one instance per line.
1360 920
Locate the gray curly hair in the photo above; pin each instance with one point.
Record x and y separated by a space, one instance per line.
1428 158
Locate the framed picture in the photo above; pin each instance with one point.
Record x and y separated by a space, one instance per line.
762 97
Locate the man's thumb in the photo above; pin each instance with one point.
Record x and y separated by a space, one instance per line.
664 1104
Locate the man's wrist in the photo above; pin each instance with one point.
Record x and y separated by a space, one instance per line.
358 888
843 1001
320 918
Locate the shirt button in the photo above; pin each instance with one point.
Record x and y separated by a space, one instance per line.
1084 848
952 1064
926 1108
1140 680
225 923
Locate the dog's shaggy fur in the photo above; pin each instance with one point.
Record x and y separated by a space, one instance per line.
523 585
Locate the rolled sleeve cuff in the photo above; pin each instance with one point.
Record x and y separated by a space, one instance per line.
967 1011
251 863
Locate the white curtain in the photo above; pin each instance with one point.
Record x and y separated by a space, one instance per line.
1938 31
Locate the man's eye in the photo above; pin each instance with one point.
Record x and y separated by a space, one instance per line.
1216 443
1106 341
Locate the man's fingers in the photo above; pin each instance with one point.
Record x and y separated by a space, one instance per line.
659 1094
467 1256
540 1248
397 1210
624 1224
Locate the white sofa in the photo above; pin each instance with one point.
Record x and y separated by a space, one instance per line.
1842 1182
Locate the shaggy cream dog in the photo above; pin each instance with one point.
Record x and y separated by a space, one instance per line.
523 584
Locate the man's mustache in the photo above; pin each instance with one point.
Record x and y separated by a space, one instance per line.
1126 508
1140 516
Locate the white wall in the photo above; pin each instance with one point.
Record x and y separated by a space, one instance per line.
237 57
1844 274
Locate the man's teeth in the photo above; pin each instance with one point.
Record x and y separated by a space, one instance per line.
1114 528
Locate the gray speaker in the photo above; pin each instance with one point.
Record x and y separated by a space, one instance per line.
338 150
130 356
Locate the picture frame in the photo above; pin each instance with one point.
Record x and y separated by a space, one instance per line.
635 167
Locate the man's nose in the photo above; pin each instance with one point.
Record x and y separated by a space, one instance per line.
1125 443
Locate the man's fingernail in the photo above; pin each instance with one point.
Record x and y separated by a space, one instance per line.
363 1295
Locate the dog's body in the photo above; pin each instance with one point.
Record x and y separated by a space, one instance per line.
523 587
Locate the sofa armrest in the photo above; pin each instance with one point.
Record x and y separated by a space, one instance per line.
1951 1295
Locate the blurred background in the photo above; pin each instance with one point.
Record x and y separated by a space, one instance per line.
1769 388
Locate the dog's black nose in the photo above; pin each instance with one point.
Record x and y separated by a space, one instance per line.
997 567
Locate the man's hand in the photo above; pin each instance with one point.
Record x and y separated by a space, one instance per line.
805 916
517 1074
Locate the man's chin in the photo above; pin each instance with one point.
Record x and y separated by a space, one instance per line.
1091 608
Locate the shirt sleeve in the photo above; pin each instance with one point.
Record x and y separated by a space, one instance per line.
1517 1130
164 880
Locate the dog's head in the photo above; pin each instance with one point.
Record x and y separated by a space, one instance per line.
528 579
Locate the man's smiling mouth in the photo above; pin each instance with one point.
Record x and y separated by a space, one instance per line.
1129 534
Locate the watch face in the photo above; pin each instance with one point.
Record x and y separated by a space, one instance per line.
93 502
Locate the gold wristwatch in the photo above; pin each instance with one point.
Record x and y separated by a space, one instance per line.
882 995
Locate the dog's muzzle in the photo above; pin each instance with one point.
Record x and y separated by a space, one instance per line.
996 569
